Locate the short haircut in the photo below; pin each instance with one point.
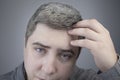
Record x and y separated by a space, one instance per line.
55 15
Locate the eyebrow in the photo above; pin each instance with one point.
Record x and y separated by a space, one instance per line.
40 44
45 46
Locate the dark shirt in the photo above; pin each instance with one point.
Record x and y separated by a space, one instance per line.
78 74
17 74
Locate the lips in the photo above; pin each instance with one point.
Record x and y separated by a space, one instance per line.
39 78
45 77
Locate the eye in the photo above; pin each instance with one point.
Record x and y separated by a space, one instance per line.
66 56
40 50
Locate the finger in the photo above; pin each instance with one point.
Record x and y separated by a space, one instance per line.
92 24
84 43
86 32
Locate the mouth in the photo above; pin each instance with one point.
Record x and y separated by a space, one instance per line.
39 78
45 78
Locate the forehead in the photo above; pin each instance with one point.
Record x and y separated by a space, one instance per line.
51 37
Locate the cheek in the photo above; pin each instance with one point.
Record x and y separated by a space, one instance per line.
65 70
31 63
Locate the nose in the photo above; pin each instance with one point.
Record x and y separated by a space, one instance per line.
49 66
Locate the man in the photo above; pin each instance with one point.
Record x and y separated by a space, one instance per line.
53 42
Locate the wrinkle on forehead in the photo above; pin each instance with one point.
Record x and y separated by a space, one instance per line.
52 37
55 39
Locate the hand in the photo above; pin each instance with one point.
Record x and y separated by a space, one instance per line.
97 40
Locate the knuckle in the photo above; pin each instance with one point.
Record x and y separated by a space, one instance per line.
77 31
85 31
107 31
79 42
85 42
93 20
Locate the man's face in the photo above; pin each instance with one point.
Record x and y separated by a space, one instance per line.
48 54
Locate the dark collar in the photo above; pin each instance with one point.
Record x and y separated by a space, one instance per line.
20 73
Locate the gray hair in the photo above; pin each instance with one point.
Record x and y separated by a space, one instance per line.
55 15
